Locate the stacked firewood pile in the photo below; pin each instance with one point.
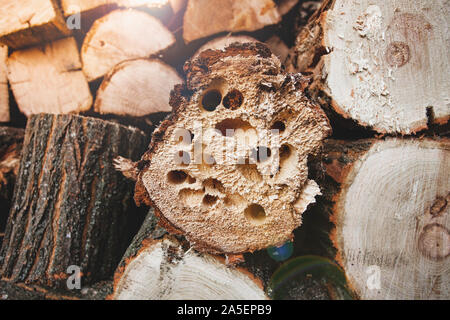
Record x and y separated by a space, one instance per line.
212 149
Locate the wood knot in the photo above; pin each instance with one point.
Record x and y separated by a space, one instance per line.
438 207
434 242
398 54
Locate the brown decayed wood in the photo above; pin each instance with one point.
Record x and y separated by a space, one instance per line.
184 101
408 243
4 94
129 283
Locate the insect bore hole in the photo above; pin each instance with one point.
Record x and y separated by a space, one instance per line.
211 100
177 177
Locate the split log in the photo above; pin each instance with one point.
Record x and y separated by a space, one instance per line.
30 22
234 193
222 42
389 202
20 292
158 267
11 140
70 205
119 36
380 63
137 88
49 80
207 17
4 94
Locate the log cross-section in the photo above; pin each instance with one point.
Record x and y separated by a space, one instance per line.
390 201
30 22
225 199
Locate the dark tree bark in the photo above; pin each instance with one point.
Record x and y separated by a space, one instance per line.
70 205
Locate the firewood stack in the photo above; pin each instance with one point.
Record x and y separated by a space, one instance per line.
211 149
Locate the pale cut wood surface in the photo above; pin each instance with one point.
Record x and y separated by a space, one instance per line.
4 95
137 88
284 6
388 62
177 5
165 271
49 80
29 22
119 36
79 6
275 44
207 17
393 216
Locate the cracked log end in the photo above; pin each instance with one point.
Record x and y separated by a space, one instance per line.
251 196
381 63
49 80
4 94
392 234
164 270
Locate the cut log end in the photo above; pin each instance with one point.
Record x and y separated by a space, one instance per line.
49 80
119 36
80 202
405 205
380 63
137 88
222 42
29 23
253 196
164 270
